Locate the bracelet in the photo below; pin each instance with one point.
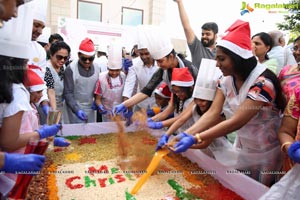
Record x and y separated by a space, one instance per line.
284 144
198 138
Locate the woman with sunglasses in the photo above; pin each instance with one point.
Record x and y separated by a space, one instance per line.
59 55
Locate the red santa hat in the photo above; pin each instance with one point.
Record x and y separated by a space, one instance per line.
86 47
34 81
237 39
163 91
182 77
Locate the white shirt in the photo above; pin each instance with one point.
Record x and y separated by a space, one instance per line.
20 102
101 62
38 58
283 56
140 74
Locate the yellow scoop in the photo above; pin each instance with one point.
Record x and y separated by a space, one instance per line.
150 169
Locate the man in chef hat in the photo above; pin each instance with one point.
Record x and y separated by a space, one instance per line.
37 59
143 68
161 49
109 87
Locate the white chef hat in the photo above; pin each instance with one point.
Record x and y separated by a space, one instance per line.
15 36
102 48
206 83
114 56
40 10
141 37
158 42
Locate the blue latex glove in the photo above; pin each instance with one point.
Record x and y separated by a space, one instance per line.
185 142
155 125
150 113
81 115
94 106
294 152
162 141
150 119
127 115
14 162
102 110
121 108
126 63
61 142
45 108
48 130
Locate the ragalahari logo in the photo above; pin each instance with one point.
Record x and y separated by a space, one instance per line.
245 8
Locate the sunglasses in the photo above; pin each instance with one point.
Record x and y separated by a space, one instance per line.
84 59
59 57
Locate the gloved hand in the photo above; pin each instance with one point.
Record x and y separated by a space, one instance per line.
102 110
81 115
294 152
127 115
185 142
45 108
61 142
162 141
48 130
14 162
126 63
150 112
155 125
150 119
94 106
121 108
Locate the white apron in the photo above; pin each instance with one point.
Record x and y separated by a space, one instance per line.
256 147
111 95
188 123
83 93
59 88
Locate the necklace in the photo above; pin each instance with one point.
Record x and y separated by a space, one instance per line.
180 107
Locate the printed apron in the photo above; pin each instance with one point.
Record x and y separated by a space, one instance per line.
111 95
256 148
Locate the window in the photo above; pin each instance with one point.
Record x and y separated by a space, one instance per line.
132 17
89 11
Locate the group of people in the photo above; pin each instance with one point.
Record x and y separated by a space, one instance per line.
243 85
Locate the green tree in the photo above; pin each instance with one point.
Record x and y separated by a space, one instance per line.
292 20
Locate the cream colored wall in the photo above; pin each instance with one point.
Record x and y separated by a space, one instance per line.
154 13
111 10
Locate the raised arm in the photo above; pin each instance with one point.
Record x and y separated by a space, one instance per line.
189 33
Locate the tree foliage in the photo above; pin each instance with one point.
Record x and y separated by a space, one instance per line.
292 20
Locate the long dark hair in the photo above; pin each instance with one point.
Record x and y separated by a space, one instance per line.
188 91
266 39
12 70
280 100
